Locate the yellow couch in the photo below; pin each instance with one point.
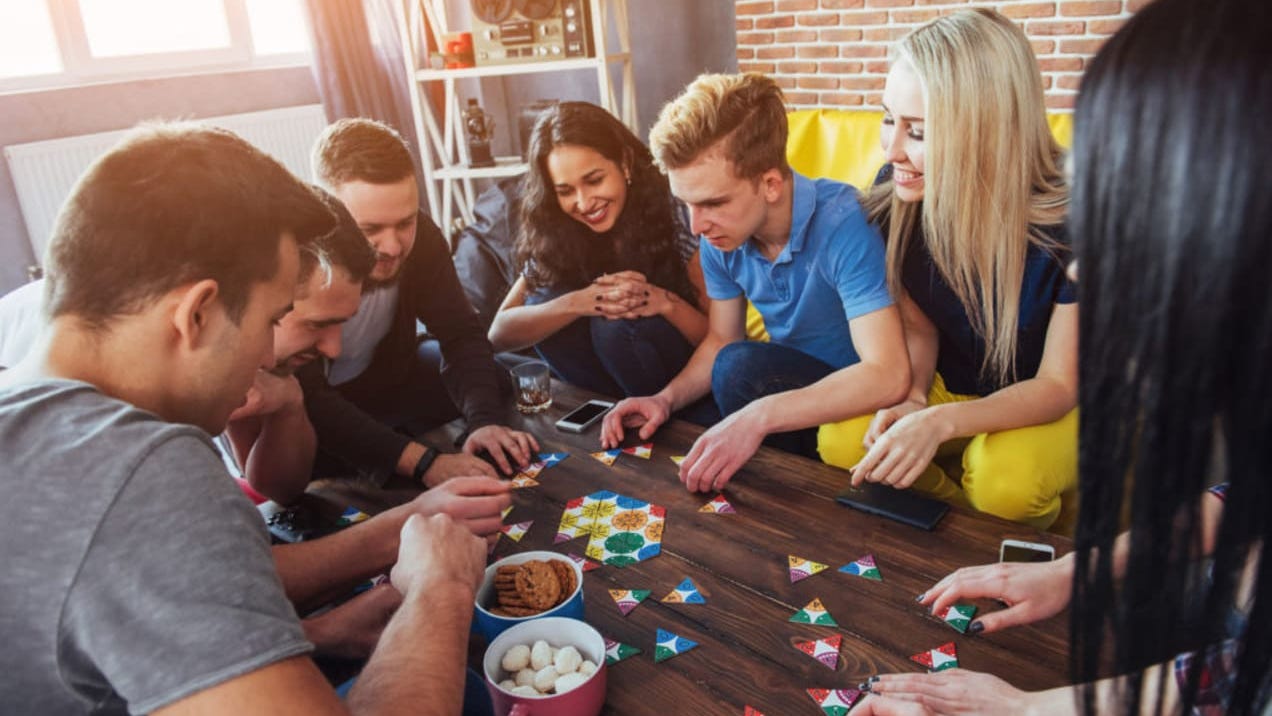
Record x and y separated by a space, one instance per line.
843 144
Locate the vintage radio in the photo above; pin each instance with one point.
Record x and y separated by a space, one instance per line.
513 31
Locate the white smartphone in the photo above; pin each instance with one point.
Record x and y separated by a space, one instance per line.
582 417
1014 550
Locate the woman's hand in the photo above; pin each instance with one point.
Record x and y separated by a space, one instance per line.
1032 592
956 691
900 454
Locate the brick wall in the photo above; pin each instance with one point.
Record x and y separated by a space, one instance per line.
834 53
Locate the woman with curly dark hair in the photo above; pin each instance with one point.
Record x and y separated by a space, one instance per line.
610 287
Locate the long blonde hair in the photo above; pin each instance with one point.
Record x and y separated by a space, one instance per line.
992 171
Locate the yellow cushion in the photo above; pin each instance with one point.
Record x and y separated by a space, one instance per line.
843 144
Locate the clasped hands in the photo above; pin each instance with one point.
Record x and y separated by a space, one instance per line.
625 295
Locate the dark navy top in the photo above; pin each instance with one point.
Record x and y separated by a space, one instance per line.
961 351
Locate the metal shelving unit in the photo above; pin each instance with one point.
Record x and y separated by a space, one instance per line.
448 180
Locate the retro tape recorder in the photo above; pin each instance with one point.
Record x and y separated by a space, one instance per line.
512 31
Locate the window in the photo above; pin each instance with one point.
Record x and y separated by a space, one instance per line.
47 43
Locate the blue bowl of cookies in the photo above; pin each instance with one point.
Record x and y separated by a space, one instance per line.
527 586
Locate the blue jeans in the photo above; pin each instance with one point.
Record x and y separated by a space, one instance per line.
619 358
747 370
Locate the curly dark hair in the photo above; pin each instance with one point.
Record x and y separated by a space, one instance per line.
554 250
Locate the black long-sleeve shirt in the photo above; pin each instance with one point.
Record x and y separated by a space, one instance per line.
430 292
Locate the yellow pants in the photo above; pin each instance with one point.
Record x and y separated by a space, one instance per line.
1027 475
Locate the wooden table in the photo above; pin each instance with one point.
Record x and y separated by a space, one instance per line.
785 506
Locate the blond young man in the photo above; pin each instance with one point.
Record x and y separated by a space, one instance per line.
137 579
385 376
802 253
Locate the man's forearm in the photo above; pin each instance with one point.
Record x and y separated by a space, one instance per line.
694 380
281 460
418 665
859 389
318 570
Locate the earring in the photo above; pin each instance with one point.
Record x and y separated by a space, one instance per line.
629 180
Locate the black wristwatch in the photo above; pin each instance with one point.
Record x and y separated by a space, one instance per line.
426 461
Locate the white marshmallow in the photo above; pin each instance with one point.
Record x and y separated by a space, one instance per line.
570 681
507 684
516 659
587 668
525 677
567 660
545 678
540 655
525 691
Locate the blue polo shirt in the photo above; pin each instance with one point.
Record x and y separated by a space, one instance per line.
830 272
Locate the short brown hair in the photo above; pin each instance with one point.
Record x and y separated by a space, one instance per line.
172 204
344 247
746 111
361 150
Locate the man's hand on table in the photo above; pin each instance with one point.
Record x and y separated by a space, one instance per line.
721 451
510 449
647 413
450 466
476 503
1032 592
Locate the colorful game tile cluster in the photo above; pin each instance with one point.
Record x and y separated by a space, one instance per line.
718 505
621 530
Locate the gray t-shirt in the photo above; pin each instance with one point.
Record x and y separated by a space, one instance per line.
133 572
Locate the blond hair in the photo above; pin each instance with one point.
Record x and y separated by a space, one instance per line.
746 111
992 171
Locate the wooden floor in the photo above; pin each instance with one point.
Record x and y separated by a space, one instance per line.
785 506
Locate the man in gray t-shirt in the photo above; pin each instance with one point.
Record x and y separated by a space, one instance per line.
136 576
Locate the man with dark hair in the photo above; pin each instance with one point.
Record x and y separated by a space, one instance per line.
156 590
384 371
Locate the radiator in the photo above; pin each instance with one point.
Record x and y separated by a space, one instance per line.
44 172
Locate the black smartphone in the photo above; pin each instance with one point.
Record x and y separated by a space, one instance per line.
900 505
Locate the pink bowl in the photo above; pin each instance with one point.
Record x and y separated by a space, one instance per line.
585 700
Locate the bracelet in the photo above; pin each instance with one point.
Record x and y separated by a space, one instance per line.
426 461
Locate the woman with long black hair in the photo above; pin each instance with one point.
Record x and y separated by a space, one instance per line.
610 284
1174 235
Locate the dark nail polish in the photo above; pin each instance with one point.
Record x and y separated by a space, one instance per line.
863 686
647 293
920 597
976 627
873 680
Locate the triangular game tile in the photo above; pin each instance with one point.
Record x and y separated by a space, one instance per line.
351 516
550 459
751 711
642 451
941 658
678 459
584 563
802 568
958 616
506 510
523 481
814 613
516 531
824 650
864 567
834 702
685 593
667 645
616 652
607 456
718 505
627 599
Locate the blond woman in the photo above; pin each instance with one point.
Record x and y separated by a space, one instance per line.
971 207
